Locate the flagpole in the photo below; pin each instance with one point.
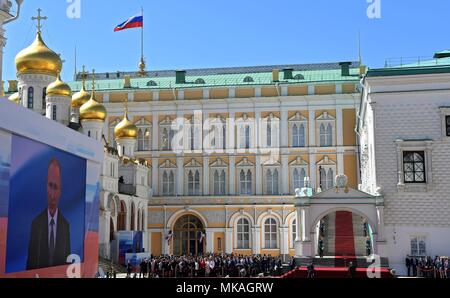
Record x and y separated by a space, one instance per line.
142 63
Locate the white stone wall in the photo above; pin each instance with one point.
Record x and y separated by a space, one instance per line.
413 115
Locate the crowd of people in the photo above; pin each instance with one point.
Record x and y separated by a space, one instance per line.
210 265
439 267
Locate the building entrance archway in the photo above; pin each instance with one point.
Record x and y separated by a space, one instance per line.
188 236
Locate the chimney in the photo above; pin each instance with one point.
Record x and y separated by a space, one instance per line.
12 86
127 80
345 68
288 73
276 75
180 76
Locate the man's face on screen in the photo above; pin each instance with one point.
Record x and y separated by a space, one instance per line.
53 186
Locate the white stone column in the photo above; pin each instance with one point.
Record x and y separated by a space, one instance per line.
228 240
206 176
312 127
339 127
380 223
256 240
155 131
165 243
232 175
258 131
258 180
155 180
284 139
231 128
340 162
284 240
209 241
312 171
284 174
180 176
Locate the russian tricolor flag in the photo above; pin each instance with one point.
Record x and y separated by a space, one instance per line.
136 21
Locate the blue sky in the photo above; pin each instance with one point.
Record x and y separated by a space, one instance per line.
218 33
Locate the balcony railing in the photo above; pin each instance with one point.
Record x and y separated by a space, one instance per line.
127 189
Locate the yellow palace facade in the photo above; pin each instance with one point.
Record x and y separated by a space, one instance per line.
227 147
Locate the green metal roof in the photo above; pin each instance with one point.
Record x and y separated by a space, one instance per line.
428 66
225 77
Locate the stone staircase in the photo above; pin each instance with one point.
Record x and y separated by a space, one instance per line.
106 264
330 235
358 232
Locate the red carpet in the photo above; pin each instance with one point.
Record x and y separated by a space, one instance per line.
345 243
323 272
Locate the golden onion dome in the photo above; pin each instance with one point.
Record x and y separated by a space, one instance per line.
92 110
59 88
80 98
38 58
15 97
125 129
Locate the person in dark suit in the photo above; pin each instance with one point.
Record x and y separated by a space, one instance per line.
408 265
49 243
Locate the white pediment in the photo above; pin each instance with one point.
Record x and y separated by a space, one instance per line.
193 164
298 162
143 122
167 165
271 162
219 163
344 193
166 121
325 116
245 163
298 117
326 161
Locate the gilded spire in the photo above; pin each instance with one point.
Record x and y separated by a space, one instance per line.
82 96
92 110
125 129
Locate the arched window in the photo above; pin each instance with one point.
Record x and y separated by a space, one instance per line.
219 182
122 217
298 135
330 178
44 101
243 233
30 97
323 135
140 140
54 112
245 180
200 81
269 132
132 217
270 233
299 77
194 182
151 83
248 79
329 135
272 181
146 139
168 183
299 178
247 137
294 232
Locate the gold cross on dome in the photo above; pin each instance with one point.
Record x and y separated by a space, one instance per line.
39 18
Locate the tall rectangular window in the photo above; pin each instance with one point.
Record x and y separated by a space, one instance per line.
414 167
418 246
447 125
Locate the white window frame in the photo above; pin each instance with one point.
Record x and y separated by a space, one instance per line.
168 125
266 172
270 139
238 246
326 164
193 166
220 166
246 166
445 112
241 123
298 164
326 119
143 125
168 167
277 240
298 119
414 145
418 239
293 233
217 132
